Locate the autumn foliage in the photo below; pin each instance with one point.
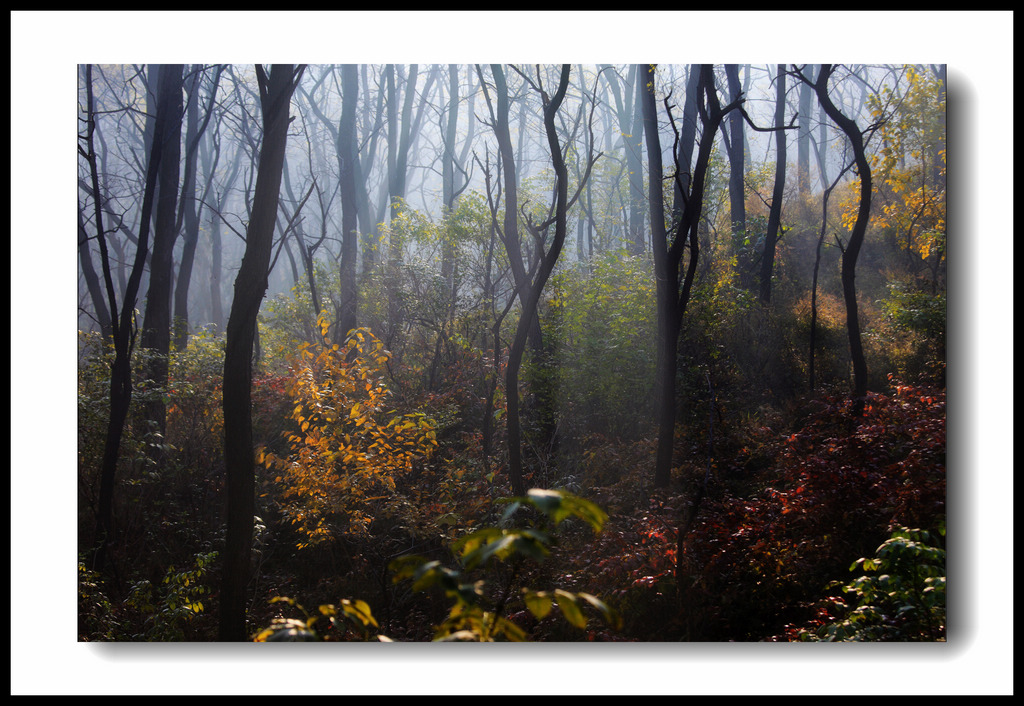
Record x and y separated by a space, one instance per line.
838 490
347 446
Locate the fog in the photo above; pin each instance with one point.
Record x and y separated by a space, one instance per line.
412 132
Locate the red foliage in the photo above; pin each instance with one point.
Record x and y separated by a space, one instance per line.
754 559
839 487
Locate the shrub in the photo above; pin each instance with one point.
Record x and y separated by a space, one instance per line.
479 611
347 446
837 488
901 595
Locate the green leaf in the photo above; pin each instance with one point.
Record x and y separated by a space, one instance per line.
359 610
570 609
480 547
538 602
510 630
609 614
560 504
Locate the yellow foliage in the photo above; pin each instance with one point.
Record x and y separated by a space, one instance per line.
352 447
911 162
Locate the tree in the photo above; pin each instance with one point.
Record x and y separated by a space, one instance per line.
216 193
510 230
189 209
630 124
856 239
156 324
911 165
348 158
123 326
546 256
353 196
734 146
674 286
812 381
275 94
803 149
92 280
771 236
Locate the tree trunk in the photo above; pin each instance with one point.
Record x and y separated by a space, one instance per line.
771 236
189 208
737 197
536 285
348 158
852 249
510 232
124 324
92 281
250 287
188 218
803 143
156 325
673 288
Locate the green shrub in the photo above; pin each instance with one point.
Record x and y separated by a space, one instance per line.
901 596
171 608
478 610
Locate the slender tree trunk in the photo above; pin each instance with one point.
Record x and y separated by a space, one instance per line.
92 281
189 208
216 255
771 236
737 197
368 224
124 324
667 285
250 287
673 288
189 218
803 149
156 326
634 165
510 231
853 246
348 152
536 286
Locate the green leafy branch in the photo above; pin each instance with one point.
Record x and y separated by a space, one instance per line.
349 618
469 618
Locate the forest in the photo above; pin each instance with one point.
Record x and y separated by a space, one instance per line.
511 352
643 364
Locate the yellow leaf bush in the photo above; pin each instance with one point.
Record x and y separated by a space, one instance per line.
347 447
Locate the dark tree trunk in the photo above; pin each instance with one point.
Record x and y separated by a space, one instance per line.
488 294
348 152
124 325
510 232
812 379
853 246
536 285
674 287
210 162
92 282
189 208
216 255
250 287
156 326
803 144
737 197
188 217
771 236
687 138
